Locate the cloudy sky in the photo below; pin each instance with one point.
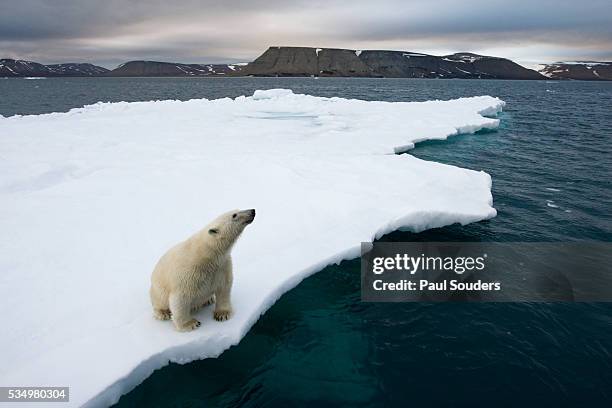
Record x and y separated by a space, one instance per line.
110 32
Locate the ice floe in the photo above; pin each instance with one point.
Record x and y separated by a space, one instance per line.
90 199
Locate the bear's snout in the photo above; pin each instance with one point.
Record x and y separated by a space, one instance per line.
250 215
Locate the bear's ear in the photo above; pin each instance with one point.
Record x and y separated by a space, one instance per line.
213 231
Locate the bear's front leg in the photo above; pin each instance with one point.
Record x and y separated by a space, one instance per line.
223 308
180 309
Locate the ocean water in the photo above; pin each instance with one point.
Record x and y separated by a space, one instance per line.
551 163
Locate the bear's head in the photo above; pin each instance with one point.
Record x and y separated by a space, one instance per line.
225 229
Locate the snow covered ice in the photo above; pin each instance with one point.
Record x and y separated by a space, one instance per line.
91 198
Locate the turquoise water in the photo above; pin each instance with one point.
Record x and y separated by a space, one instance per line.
320 345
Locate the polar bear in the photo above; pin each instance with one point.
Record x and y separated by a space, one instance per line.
198 272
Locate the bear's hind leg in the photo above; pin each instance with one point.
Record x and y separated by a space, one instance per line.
180 308
162 314
207 302
210 301
159 301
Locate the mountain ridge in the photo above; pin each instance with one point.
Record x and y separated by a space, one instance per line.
329 62
339 62
578 70
21 68
159 68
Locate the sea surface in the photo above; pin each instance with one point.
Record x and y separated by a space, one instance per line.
319 345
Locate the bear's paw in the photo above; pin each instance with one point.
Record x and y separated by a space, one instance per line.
189 326
221 315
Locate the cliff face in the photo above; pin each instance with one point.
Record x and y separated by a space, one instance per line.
305 61
336 62
583 70
20 68
154 68
285 61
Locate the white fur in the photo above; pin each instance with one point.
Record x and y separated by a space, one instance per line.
198 272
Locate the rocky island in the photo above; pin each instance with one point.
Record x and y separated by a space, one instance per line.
329 62
580 70
306 61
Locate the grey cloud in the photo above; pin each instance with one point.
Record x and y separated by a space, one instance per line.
30 19
211 31
482 21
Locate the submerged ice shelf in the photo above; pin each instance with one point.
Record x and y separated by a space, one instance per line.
90 199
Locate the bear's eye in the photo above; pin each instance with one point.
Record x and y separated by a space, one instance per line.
213 231
235 215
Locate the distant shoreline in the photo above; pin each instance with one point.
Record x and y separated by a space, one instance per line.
299 77
304 62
